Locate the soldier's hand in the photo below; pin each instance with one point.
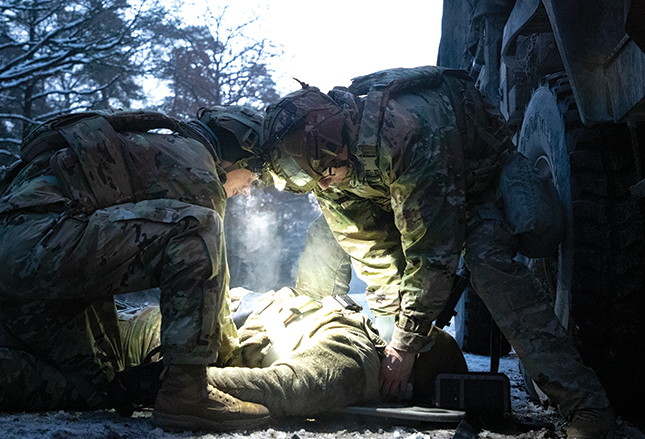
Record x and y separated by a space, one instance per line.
395 370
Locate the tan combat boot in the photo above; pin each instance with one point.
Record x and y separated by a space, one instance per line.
187 402
591 424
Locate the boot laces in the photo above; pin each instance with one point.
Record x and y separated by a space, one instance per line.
219 395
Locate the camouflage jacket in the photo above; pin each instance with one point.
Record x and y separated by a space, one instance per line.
91 165
405 229
162 167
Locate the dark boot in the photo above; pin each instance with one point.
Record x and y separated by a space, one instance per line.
591 424
187 402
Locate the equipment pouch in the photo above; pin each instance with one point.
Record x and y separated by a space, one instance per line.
69 173
93 170
531 205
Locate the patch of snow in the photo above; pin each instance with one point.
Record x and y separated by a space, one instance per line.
107 424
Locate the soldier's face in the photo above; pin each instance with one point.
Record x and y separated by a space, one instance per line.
239 182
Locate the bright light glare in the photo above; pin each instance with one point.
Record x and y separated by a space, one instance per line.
328 43
278 182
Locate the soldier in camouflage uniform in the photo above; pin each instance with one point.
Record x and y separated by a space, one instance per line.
302 356
297 356
102 207
405 164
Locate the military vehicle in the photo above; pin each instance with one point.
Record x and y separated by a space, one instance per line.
569 77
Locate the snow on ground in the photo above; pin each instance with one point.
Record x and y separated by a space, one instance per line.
527 420
106 424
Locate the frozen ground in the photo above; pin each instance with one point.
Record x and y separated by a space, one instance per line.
109 425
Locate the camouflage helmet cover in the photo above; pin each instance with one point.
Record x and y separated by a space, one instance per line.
302 136
242 123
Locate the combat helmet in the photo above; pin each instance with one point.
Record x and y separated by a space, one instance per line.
237 130
303 135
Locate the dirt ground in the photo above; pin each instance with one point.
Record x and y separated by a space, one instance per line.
526 421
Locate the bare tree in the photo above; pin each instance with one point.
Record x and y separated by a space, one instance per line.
57 56
217 64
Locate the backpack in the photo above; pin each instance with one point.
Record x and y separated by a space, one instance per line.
8 173
532 208
378 88
472 114
96 164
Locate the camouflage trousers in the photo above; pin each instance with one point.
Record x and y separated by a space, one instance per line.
521 308
324 268
30 384
61 273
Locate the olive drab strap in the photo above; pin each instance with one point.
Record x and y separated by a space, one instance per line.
368 133
379 87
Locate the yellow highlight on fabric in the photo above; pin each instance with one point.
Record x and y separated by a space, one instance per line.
278 182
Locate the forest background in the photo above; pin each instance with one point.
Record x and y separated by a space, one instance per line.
64 56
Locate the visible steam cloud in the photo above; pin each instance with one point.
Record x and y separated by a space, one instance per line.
265 235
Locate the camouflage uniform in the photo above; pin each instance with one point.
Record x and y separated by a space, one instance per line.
31 384
324 268
437 150
65 258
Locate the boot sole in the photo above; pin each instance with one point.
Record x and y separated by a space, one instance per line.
179 423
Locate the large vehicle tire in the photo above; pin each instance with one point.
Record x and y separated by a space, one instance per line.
596 280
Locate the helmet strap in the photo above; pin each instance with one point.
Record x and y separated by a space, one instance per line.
237 165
